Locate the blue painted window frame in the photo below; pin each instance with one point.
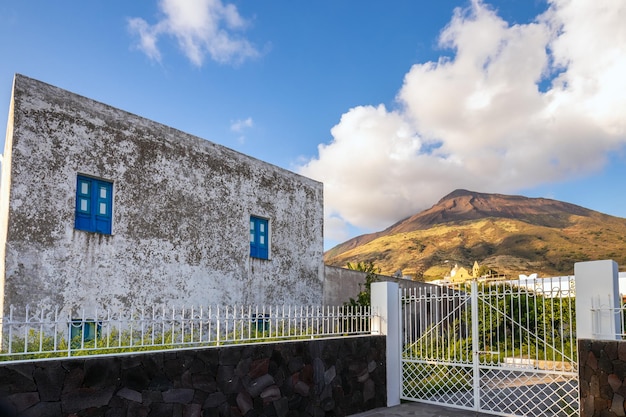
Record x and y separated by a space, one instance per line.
94 205
259 237
82 331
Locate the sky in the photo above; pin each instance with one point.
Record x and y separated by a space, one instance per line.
392 105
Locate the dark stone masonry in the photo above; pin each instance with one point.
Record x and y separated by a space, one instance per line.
602 374
316 378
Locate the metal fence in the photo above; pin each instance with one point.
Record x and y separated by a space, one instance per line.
39 334
612 318
506 347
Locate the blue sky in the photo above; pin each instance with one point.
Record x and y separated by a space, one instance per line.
391 104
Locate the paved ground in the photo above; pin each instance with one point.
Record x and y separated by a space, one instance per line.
413 409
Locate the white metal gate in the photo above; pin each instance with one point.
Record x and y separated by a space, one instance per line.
499 347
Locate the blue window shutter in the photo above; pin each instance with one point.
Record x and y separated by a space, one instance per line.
94 205
262 243
259 238
103 206
83 204
253 246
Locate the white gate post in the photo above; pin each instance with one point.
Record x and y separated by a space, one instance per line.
385 299
597 286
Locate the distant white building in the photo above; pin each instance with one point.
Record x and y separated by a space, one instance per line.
99 207
555 286
561 286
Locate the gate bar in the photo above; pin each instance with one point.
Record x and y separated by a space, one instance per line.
475 345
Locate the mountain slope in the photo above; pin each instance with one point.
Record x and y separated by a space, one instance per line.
509 234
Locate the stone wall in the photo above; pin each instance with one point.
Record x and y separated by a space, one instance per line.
341 284
602 374
331 377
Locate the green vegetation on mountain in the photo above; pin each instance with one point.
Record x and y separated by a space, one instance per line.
509 234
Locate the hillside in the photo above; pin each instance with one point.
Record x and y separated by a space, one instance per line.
509 234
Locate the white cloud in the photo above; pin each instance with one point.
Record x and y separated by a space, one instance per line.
479 120
335 229
239 125
201 27
147 37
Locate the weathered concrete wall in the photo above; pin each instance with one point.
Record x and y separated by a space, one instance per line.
181 213
5 181
341 284
602 378
332 377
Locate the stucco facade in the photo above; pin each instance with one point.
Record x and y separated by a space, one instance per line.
181 212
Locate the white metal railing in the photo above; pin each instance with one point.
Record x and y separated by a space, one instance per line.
38 334
603 318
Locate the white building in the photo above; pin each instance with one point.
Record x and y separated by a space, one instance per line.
100 207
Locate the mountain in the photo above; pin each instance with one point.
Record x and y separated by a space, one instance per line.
508 234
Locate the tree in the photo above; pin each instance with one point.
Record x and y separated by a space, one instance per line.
371 275
485 270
